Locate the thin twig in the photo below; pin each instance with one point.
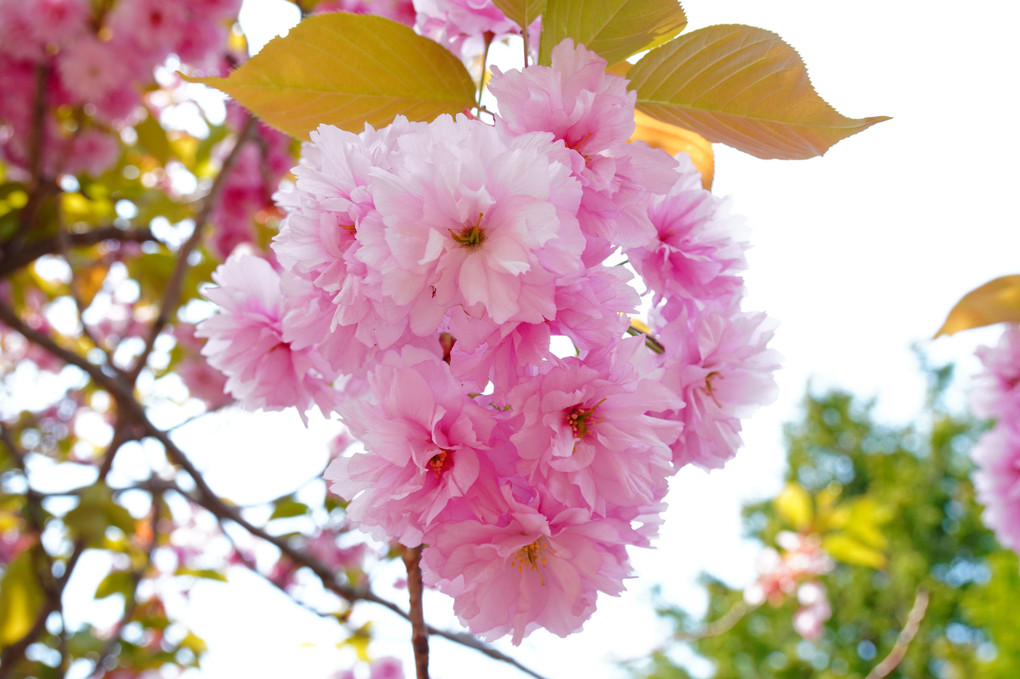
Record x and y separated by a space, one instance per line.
720 626
172 292
907 634
11 261
124 396
131 597
419 634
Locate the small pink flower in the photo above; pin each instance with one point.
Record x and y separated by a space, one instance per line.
698 252
716 359
528 569
809 619
459 25
474 221
90 69
586 434
423 438
997 482
245 341
592 112
996 391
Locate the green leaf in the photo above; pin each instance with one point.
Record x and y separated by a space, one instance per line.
843 547
794 504
288 507
743 87
204 573
115 582
615 29
521 12
996 301
96 511
346 70
21 597
152 271
152 137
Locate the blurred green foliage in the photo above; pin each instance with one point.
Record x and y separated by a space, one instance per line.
915 479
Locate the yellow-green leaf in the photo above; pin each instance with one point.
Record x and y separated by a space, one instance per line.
847 549
743 87
21 597
152 137
615 29
794 505
521 12
346 70
996 301
116 582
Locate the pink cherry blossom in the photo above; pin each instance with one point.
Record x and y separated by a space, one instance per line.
90 70
473 221
586 434
717 361
529 569
996 391
460 25
997 482
698 252
592 112
424 438
245 341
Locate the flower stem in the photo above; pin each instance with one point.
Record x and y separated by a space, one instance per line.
419 633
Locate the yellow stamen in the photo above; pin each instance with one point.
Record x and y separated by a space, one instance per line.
437 463
471 236
532 555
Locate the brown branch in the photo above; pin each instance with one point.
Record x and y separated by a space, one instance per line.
172 292
907 634
419 634
131 598
11 261
124 396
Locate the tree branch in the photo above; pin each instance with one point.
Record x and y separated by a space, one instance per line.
720 626
907 634
11 261
419 633
172 293
206 497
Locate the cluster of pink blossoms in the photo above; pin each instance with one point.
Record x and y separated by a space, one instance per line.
996 395
98 56
794 572
426 270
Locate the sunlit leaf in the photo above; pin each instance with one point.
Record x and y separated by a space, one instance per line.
674 140
521 12
152 137
88 281
744 87
359 641
615 29
288 507
794 504
95 513
21 597
845 548
204 573
115 582
996 301
346 70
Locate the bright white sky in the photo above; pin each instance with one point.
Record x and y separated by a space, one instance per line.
858 254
